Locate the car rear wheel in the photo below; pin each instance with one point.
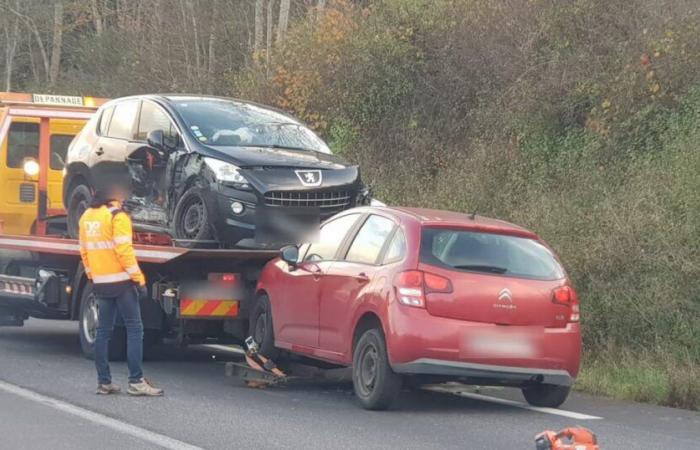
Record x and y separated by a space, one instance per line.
78 202
191 220
546 395
88 329
261 327
376 384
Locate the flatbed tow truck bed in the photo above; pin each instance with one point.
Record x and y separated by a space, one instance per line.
195 295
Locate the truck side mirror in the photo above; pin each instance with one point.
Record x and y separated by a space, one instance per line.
155 139
290 255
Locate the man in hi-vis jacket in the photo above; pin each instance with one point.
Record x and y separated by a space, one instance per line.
118 283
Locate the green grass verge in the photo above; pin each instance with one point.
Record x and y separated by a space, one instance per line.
642 378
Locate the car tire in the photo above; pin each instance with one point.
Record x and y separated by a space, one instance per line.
376 385
546 395
261 328
88 327
192 218
78 201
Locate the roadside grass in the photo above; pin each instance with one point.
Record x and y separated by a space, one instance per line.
642 378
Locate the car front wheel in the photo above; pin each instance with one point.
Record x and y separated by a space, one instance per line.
546 395
191 219
376 385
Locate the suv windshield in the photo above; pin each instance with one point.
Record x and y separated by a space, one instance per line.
220 122
489 253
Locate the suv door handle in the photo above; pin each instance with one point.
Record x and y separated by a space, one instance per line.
362 277
100 151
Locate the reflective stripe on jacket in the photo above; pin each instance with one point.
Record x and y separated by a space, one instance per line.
106 248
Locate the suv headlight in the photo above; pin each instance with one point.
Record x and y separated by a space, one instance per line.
227 173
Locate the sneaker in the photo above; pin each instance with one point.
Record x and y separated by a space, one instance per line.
144 388
107 389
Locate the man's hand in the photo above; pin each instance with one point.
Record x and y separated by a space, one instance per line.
142 290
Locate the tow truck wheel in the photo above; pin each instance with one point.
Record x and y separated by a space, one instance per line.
546 395
88 329
78 201
376 384
261 327
191 220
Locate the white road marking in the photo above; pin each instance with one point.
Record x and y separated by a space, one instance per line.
225 348
503 401
100 419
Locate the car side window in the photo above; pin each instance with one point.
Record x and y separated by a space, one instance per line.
397 248
105 118
22 142
331 236
370 240
154 118
122 124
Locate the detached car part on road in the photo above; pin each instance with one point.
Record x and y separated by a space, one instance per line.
210 170
424 296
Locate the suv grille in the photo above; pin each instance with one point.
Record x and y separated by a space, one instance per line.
329 202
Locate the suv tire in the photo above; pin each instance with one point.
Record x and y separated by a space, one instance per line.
376 385
78 201
546 395
191 219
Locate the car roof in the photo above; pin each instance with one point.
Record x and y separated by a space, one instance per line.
450 219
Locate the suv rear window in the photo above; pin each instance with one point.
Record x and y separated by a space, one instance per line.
489 253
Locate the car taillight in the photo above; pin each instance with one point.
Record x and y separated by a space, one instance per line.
413 285
566 295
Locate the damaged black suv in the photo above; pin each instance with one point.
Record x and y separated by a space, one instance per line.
210 170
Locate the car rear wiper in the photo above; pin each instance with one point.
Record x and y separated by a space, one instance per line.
482 268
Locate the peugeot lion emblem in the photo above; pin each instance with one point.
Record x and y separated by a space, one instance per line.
309 177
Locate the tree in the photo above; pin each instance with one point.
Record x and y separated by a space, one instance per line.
259 5
57 42
11 31
283 22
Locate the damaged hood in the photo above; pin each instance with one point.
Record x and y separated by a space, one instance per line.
248 157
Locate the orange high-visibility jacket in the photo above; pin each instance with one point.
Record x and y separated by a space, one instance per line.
106 248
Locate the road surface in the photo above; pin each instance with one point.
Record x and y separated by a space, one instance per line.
47 401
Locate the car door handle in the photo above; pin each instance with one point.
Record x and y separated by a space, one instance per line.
100 151
362 277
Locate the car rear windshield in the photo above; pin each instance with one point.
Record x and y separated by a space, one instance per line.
489 253
221 122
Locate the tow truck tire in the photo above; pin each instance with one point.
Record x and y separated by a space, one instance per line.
87 323
78 201
376 385
261 327
192 218
546 395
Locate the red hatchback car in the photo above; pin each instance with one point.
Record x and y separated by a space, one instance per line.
425 296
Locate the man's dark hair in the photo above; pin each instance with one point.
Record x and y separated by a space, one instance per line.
101 197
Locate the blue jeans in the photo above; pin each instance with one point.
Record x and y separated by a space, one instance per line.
128 305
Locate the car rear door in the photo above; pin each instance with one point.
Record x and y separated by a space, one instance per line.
498 279
351 281
296 310
108 159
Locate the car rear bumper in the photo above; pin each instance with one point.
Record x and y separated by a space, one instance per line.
420 343
486 372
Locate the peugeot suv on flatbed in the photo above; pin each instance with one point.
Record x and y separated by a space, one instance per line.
209 170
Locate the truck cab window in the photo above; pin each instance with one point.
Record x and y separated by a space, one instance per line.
23 142
59 148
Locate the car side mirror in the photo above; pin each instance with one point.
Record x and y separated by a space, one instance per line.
155 139
290 255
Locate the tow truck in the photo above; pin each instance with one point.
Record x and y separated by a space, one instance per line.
195 295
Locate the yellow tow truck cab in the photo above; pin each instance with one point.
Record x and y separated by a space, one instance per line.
35 131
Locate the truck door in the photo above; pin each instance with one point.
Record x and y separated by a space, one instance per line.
18 202
62 132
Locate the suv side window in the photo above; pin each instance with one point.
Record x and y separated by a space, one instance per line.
122 124
397 248
154 118
331 236
22 142
370 240
105 118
